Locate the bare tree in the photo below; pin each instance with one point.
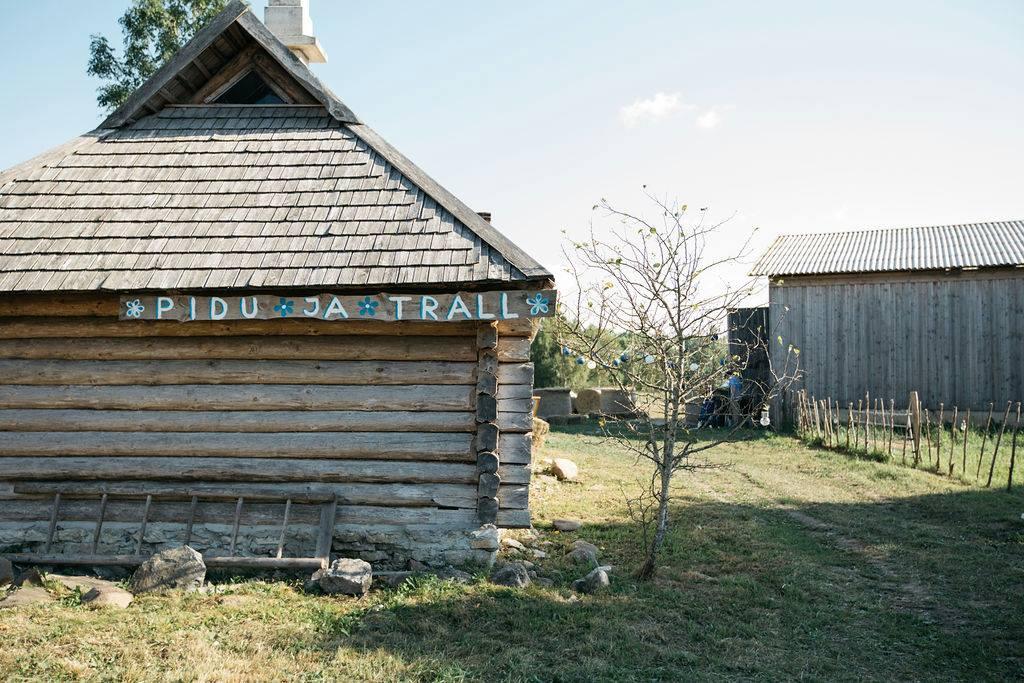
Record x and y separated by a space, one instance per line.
651 309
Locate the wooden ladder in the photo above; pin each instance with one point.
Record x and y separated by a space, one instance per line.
328 518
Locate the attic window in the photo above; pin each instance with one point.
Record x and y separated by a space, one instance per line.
250 89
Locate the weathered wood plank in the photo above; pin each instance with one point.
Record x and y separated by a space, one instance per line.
514 391
94 320
515 373
43 420
340 308
340 445
515 422
349 347
514 349
515 448
241 397
151 372
514 405
208 469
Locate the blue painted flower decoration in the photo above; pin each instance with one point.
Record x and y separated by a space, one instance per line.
368 306
134 308
538 304
285 308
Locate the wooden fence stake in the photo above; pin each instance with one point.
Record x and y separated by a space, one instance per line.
906 437
938 438
1013 450
952 439
99 523
53 523
984 438
849 424
892 424
967 431
867 422
145 521
999 440
817 419
915 424
928 434
284 528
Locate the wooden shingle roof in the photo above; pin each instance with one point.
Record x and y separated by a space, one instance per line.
191 195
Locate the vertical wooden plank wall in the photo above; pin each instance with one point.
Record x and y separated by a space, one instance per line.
958 340
383 416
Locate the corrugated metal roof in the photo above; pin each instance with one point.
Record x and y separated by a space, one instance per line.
940 247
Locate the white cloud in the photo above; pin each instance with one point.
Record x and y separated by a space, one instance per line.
712 116
652 109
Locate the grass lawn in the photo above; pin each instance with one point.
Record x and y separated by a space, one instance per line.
789 563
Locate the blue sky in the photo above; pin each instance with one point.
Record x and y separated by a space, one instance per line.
788 116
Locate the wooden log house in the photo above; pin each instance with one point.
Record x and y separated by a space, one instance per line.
234 316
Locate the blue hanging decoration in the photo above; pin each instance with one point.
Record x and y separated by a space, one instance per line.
616 363
624 357
721 361
580 360
714 337
566 351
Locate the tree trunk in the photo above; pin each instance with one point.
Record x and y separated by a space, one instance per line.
649 566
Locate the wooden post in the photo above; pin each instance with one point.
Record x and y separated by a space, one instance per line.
952 439
967 431
53 522
984 438
915 425
487 456
999 440
284 528
856 434
234 527
324 543
99 523
1013 450
938 437
892 424
839 424
191 519
849 423
867 422
928 434
145 521
906 437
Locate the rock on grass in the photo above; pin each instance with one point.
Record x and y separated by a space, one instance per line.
181 567
347 576
564 469
595 581
513 575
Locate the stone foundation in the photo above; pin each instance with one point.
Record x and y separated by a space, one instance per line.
383 547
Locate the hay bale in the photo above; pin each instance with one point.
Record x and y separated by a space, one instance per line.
588 401
554 402
540 432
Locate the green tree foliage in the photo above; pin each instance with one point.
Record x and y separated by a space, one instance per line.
153 31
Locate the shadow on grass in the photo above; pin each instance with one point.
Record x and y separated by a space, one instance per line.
899 588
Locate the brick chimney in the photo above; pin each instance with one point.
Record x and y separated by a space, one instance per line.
289 21
486 215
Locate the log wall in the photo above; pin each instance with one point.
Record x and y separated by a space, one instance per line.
389 419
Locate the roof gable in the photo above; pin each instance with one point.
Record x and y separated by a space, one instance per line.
175 192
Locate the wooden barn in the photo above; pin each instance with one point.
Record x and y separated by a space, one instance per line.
234 316
937 310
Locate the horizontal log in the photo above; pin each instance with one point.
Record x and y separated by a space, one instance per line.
386 495
515 422
514 474
514 519
242 397
515 373
516 391
514 405
339 445
85 325
233 470
514 349
43 420
61 304
521 327
154 372
356 518
514 448
347 347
